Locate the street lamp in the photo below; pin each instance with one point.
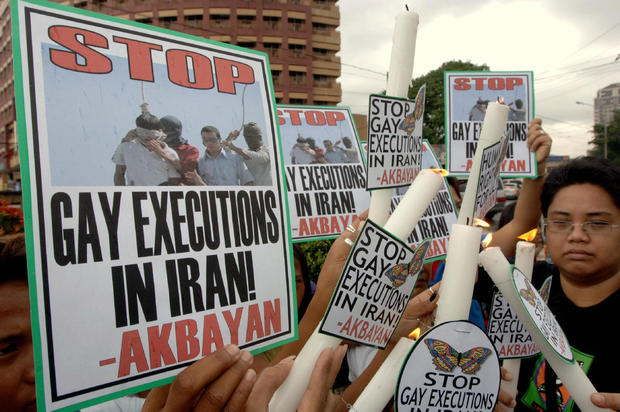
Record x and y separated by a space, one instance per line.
604 128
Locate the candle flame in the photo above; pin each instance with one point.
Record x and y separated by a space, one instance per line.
442 172
528 236
500 100
481 223
415 334
487 239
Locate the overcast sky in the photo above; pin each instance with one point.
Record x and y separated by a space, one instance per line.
570 45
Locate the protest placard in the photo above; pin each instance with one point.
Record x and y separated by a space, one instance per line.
134 276
374 288
466 97
486 191
325 170
437 220
394 140
453 367
509 336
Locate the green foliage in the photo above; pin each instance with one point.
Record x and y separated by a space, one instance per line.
434 112
613 140
315 253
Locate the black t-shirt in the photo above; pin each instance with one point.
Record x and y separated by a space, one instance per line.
591 332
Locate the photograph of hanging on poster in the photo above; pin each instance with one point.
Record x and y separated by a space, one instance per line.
441 214
466 97
154 202
325 170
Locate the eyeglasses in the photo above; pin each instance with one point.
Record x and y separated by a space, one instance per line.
591 228
210 139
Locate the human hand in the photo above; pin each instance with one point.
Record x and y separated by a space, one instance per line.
131 135
317 397
606 400
233 135
222 380
154 146
418 313
538 141
505 399
193 178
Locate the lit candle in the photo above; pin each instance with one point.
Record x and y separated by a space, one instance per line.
571 375
493 129
413 205
289 394
383 383
459 276
524 261
399 80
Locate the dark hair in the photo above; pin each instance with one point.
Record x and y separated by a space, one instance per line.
13 260
148 121
210 129
508 213
305 274
586 169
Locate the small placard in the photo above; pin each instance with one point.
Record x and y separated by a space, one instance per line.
486 192
394 140
507 333
374 288
453 367
542 316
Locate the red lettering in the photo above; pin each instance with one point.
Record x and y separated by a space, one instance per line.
233 324
255 324
479 82
139 58
281 120
294 114
511 82
333 117
314 225
324 224
188 347
315 118
497 83
272 316
462 84
179 73
158 345
211 335
94 62
131 352
230 72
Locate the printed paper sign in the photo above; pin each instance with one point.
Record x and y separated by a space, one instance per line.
452 367
394 140
542 316
325 170
507 333
466 97
437 220
130 284
486 192
374 288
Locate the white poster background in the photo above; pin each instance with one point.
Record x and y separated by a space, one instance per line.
324 197
466 95
71 122
507 333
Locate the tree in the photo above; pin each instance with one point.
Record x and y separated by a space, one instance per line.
434 112
613 140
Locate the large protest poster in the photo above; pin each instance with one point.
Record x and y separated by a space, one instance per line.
466 98
325 170
129 284
438 218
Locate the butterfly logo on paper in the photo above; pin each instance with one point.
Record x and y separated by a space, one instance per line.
446 358
399 272
408 123
528 294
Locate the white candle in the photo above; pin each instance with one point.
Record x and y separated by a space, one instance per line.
289 394
413 205
399 80
493 129
382 385
524 261
459 276
571 375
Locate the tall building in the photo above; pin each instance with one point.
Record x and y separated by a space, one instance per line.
606 103
300 37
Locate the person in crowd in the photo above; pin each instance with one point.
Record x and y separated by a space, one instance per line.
350 152
478 111
517 113
581 204
319 154
145 160
188 154
256 157
333 154
301 154
219 167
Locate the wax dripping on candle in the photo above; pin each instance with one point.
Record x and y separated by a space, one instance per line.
528 236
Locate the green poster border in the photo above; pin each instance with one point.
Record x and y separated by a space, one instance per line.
530 74
24 157
331 300
359 148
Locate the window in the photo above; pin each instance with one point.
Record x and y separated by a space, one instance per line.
246 21
275 76
321 80
271 22
320 28
273 49
296 24
194 20
296 50
220 20
167 21
247 44
146 20
297 101
297 77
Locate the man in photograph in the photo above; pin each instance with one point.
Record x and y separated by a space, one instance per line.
219 167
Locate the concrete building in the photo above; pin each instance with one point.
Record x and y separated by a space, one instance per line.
300 37
606 103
